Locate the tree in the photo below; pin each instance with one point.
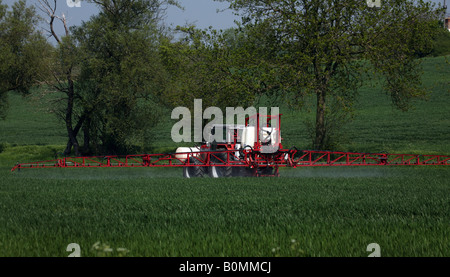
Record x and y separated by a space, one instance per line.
324 48
62 80
202 65
23 50
121 75
108 71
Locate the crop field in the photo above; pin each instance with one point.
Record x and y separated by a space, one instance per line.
306 212
135 213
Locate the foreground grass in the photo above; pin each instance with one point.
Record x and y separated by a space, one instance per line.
308 212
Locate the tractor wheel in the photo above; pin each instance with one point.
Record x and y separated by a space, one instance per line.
243 172
193 171
220 171
267 171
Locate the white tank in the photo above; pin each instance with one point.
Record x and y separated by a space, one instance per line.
265 137
248 136
264 134
185 150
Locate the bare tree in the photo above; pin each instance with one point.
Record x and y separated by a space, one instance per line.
63 82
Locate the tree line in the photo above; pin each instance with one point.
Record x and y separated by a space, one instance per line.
109 77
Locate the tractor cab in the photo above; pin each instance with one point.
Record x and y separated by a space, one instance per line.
259 132
225 136
262 132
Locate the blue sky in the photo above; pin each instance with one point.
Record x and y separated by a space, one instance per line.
202 13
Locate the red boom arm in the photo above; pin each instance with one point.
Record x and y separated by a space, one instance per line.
244 158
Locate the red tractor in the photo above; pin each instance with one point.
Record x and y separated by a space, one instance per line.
242 150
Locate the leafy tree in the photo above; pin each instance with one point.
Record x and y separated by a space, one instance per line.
442 44
108 72
324 49
203 65
121 74
22 50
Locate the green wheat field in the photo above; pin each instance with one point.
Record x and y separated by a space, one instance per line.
307 212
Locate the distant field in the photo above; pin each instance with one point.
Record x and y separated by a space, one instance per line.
377 126
306 212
